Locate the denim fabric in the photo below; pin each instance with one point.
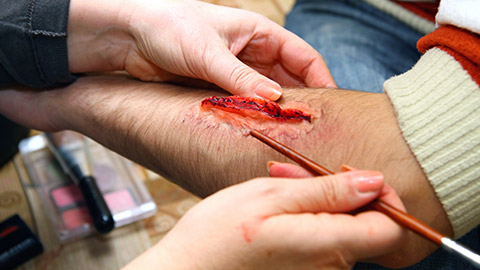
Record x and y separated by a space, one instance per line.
363 47
33 43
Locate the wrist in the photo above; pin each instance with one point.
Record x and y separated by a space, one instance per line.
157 257
98 36
390 153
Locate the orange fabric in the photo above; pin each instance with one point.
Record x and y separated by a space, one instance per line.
462 44
425 10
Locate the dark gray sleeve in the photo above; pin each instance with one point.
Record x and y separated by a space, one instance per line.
33 42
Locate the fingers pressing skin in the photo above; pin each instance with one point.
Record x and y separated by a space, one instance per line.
281 56
240 51
231 74
305 62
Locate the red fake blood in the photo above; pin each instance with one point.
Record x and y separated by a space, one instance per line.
243 114
249 106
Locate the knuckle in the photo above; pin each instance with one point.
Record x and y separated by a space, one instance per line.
329 193
239 76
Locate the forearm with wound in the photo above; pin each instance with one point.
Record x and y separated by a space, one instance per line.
152 124
146 122
98 35
203 157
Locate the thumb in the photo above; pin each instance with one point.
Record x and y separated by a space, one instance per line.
363 235
341 192
233 75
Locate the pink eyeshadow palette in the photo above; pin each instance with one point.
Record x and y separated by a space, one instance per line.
120 200
66 195
118 179
76 217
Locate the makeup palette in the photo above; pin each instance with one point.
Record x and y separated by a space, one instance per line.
118 179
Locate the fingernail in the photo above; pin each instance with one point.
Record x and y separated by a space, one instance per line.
330 85
270 164
269 91
369 181
346 168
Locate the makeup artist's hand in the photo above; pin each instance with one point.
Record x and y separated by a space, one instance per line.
168 40
289 170
273 223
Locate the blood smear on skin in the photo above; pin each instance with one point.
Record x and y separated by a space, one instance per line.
245 113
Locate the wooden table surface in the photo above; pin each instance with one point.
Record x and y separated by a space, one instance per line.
122 245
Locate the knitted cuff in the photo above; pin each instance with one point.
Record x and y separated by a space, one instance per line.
437 106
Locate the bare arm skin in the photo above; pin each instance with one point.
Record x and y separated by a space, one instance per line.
149 123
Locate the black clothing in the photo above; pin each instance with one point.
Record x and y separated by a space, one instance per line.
10 136
33 43
33 52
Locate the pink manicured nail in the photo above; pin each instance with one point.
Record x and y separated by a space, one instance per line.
271 163
368 181
268 91
346 168
330 85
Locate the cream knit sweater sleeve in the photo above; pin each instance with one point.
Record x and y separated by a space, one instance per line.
438 109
